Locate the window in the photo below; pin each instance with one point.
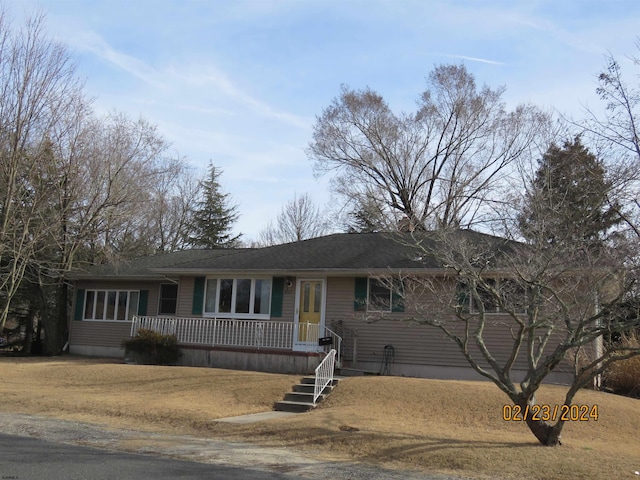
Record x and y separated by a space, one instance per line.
168 299
374 294
243 295
117 305
238 297
379 298
485 297
226 294
512 296
262 297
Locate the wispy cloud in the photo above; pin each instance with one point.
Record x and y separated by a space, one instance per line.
211 77
173 79
473 59
91 42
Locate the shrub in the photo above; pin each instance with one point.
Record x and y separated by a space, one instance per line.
153 348
623 377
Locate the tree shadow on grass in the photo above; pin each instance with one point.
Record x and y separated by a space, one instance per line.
424 452
365 443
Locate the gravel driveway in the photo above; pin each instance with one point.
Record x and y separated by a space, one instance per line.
200 450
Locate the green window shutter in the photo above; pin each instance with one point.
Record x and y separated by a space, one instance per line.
77 315
198 295
277 294
463 296
360 289
142 302
397 296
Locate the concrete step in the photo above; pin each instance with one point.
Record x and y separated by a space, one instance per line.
291 406
310 388
302 397
355 372
311 380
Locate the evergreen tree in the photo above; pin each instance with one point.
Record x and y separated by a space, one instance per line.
213 217
567 200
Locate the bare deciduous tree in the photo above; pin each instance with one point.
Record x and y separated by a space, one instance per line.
74 189
173 197
121 161
540 299
38 89
299 219
104 172
620 123
520 313
435 167
616 132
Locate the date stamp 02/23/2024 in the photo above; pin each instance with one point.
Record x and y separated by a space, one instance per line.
550 413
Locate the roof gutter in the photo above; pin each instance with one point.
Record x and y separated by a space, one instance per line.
119 277
338 272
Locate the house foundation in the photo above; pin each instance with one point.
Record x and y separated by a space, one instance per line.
273 361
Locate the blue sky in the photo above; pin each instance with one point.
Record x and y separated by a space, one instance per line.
240 82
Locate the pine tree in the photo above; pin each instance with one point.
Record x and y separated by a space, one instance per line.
567 200
213 217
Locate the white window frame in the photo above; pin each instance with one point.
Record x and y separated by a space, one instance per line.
234 290
104 308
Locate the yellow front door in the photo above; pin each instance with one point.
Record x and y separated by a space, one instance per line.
309 310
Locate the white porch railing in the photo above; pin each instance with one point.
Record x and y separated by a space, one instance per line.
162 325
239 333
224 332
324 374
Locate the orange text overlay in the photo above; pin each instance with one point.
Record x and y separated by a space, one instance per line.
550 413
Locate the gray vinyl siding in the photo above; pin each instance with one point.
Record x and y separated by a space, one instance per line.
110 333
413 344
99 334
185 298
288 301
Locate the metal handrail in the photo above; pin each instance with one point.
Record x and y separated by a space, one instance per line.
324 374
337 342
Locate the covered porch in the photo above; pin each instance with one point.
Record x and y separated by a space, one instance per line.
266 345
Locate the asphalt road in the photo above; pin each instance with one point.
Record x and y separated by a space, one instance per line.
24 458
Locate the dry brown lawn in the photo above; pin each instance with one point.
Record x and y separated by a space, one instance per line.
444 426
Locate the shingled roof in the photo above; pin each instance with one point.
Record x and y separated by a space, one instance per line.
337 253
147 267
341 251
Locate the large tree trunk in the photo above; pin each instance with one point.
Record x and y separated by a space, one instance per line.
53 336
55 322
28 328
547 434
